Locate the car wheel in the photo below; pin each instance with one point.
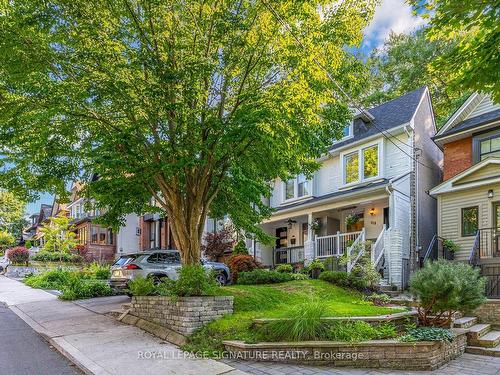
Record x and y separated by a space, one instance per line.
157 279
221 278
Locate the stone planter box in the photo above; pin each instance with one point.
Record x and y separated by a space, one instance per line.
489 312
391 354
183 314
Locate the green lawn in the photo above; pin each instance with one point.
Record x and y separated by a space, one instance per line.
274 301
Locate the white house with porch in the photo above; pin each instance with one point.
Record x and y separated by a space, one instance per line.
372 185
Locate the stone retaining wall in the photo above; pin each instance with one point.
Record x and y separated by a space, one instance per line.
182 314
489 312
376 354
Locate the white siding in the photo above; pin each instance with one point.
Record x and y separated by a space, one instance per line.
127 239
396 161
486 105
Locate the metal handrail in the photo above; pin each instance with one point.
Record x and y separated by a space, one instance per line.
474 253
429 249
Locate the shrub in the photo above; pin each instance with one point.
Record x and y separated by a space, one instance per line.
97 271
304 324
240 248
18 255
356 331
451 246
378 299
51 256
79 288
316 264
242 263
427 334
217 243
52 279
299 276
192 281
343 279
260 276
285 268
83 252
6 240
141 286
443 288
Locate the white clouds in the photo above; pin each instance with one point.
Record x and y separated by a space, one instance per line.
391 15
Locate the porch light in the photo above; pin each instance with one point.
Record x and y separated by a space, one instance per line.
372 211
490 193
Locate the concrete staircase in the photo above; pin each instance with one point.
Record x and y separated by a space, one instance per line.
482 339
386 288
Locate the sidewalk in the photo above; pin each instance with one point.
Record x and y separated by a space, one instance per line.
99 344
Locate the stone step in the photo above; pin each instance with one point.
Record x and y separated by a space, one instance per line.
492 352
126 306
465 322
115 313
383 288
476 331
488 340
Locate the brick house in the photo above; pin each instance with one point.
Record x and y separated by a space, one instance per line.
469 197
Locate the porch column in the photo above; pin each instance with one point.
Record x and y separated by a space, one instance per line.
309 253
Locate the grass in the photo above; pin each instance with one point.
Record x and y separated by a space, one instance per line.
277 301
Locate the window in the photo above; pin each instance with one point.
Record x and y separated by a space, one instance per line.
169 258
361 165
351 162
297 188
109 236
346 131
152 234
489 148
470 221
94 233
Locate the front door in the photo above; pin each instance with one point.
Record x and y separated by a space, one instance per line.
496 218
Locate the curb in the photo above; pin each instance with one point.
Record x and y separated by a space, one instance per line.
80 360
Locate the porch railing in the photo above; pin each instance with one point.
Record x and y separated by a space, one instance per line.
353 257
335 245
293 254
378 248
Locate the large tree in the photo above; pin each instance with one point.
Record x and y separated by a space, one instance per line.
197 103
12 214
472 62
404 63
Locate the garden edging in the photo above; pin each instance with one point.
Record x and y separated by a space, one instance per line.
424 355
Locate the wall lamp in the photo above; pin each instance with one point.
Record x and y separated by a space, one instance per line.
490 193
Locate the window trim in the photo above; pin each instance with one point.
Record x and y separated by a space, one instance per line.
462 220
476 143
296 190
346 137
361 164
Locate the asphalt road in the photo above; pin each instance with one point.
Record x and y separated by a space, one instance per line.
24 352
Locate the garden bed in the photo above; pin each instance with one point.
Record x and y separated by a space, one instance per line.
423 355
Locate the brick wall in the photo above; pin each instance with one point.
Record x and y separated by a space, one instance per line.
457 157
369 354
102 252
184 314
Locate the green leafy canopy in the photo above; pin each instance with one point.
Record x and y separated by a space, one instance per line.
197 103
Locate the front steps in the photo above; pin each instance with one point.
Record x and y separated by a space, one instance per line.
482 339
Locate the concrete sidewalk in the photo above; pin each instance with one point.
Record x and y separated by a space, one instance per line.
97 343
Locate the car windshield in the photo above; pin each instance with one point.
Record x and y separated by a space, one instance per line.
124 260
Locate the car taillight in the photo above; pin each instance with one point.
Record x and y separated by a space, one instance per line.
132 267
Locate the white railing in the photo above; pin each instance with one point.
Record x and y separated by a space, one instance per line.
294 254
378 247
335 245
359 243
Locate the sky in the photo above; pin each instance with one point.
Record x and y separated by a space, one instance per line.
391 15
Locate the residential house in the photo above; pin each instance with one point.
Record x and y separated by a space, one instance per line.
33 233
372 185
469 197
103 243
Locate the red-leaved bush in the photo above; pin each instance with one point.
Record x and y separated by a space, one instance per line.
18 255
242 263
82 251
217 243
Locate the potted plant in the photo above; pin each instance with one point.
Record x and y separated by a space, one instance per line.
315 225
351 219
316 268
449 249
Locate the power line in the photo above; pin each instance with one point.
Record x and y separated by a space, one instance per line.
370 118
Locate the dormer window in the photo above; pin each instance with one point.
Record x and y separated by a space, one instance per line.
347 132
296 188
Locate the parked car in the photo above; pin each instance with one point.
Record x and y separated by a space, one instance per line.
157 264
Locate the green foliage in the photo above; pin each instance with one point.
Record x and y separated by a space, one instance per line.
18 255
28 244
343 279
240 248
192 281
303 324
260 276
97 271
471 63
285 268
427 334
451 246
52 279
443 287
299 276
317 264
404 64
6 240
378 299
356 331
49 256
141 286
77 287
12 211
191 100
58 235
